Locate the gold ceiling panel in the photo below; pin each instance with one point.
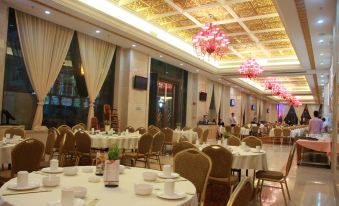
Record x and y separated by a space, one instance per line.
149 8
230 57
246 47
240 39
292 83
187 34
254 55
266 36
232 28
173 22
186 4
262 24
283 52
278 45
254 8
219 13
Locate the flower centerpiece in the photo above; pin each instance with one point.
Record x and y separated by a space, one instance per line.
107 126
112 164
226 135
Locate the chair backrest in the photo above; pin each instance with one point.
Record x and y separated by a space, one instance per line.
222 160
51 138
233 141
205 135
145 143
242 194
190 160
252 141
236 130
158 142
130 129
82 142
68 143
141 130
228 129
255 130
199 131
183 139
26 156
153 130
78 127
180 146
63 128
15 131
94 123
290 160
186 128
277 132
168 134
286 132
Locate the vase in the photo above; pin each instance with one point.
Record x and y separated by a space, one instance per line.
111 173
224 143
107 128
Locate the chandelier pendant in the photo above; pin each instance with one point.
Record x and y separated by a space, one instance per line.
250 69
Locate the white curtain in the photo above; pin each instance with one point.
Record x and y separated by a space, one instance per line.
96 58
217 96
44 47
209 91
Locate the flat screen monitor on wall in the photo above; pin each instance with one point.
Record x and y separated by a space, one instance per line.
232 102
253 107
140 82
202 96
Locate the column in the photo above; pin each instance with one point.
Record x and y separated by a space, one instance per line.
192 100
3 45
225 112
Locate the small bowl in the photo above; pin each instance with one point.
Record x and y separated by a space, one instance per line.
94 179
121 169
143 189
51 181
149 176
80 192
87 169
70 171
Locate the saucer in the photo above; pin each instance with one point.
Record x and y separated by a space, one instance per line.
48 170
174 196
30 186
76 202
173 175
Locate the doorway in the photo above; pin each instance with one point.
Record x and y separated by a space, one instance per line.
166 104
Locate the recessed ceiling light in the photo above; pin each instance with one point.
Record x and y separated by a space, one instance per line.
321 41
320 21
160 56
181 64
321 63
322 76
197 70
98 31
321 54
133 45
47 12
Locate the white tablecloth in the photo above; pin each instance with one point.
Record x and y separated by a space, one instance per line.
127 141
294 132
122 195
244 131
246 160
5 153
189 134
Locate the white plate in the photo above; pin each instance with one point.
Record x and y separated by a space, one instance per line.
76 202
174 196
48 170
30 186
173 175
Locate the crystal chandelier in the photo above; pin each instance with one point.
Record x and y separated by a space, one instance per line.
251 68
210 41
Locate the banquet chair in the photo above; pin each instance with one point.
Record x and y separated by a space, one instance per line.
143 151
228 129
180 146
189 160
168 137
158 143
222 160
183 139
255 131
130 129
276 176
60 136
186 128
153 130
236 131
26 156
204 136
94 123
49 148
286 133
242 194
252 141
15 131
83 148
141 130
233 141
78 127
67 147
199 131
277 134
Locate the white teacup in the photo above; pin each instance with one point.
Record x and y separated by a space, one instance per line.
143 189
149 176
54 164
70 171
22 179
51 181
80 192
257 148
169 187
67 196
167 170
121 169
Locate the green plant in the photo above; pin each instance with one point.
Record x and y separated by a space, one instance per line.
114 153
107 122
227 135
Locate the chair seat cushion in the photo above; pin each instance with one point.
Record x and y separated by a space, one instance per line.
274 175
233 179
134 155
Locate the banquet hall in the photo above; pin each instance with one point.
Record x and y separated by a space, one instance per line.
169 102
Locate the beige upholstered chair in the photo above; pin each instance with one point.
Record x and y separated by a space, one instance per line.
26 156
180 146
276 176
199 131
190 160
83 148
130 129
61 129
49 149
233 141
183 139
286 133
186 128
153 130
222 160
204 136
168 137
228 129
78 127
141 130
158 143
242 195
278 135
255 131
15 131
252 141
236 131
67 147
143 151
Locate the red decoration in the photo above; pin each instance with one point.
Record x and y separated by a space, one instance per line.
251 68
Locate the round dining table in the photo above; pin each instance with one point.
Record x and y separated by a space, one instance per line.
98 194
189 134
123 140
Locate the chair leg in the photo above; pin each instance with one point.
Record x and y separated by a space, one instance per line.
288 192
258 184
158 157
282 189
77 160
262 185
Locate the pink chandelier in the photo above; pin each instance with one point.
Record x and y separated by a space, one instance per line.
251 68
278 90
210 41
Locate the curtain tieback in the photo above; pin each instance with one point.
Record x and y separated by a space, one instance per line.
91 104
41 103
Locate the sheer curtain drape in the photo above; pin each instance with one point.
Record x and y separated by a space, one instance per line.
96 58
209 95
217 96
44 47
